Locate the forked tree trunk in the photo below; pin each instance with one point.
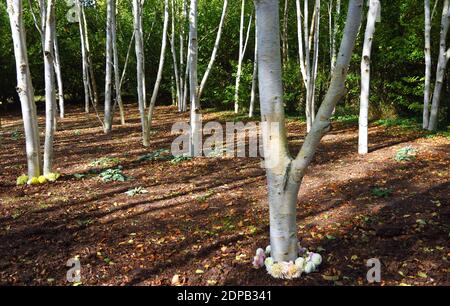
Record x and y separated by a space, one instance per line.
215 49
161 64
25 87
50 96
285 174
195 139
444 56
374 9
139 47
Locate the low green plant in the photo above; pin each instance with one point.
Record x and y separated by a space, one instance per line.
161 154
104 161
382 192
15 135
180 158
136 191
113 175
406 154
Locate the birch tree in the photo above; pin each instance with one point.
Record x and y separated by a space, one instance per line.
308 41
40 26
50 97
242 49
428 63
140 69
255 75
25 87
195 113
110 11
444 56
284 174
84 58
215 49
372 16
174 54
161 64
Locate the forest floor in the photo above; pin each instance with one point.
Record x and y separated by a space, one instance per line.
203 218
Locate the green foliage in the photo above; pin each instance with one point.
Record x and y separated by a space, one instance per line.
113 175
180 158
104 162
382 192
406 154
136 191
15 135
160 154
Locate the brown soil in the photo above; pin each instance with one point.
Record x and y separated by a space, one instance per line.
204 218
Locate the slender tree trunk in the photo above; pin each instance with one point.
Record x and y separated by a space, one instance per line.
83 57
161 64
137 13
334 34
215 49
183 82
310 107
117 75
239 67
174 56
59 80
25 87
50 96
426 93
285 174
374 7
92 84
255 74
110 11
196 123
444 55
300 42
285 34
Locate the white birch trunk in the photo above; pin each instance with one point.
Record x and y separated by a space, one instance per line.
117 75
139 47
374 7
284 174
255 74
83 58
195 114
426 93
215 49
183 82
239 67
57 64
174 56
444 55
161 64
25 87
110 11
50 96
334 34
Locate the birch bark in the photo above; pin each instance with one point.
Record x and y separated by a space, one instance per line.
444 56
215 49
374 7
284 174
25 87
